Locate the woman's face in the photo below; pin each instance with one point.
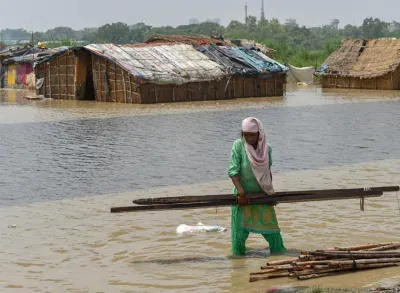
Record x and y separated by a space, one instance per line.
251 137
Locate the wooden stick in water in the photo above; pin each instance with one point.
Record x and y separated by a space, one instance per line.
272 276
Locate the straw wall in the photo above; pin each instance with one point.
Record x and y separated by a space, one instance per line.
58 77
114 84
390 81
83 75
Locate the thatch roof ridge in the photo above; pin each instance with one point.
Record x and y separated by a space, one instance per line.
364 58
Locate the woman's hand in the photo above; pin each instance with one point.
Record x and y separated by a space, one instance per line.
242 198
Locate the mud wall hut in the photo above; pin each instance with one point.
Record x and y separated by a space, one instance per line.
363 64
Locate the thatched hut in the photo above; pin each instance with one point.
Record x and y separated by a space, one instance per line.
62 75
363 64
129 74
155 73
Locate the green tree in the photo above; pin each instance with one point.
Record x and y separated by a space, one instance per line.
374 28
118 33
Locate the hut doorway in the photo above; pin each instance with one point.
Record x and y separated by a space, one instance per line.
89 86
84 76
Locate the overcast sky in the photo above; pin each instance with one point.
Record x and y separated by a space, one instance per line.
43 14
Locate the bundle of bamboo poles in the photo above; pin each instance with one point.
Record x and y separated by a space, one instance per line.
332 261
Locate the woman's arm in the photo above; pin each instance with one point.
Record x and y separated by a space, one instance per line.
234 171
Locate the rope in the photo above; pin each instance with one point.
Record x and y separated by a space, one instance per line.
354 261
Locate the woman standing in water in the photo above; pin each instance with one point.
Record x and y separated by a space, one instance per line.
250 172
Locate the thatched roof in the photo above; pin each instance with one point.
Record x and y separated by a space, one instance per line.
364 58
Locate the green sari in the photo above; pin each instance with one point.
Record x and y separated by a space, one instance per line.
260 219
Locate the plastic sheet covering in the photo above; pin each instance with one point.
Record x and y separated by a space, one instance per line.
242 61
262 62
12 75
275 63
169 64
232 63
303 75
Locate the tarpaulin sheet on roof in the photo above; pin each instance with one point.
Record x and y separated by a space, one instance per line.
266 62
227 58
259 60
36 55
242 61
169 64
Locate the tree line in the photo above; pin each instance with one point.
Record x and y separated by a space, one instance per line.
295 44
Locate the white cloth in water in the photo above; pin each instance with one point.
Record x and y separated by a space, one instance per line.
200 227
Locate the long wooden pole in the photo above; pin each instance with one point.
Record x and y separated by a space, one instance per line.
254 201
204 198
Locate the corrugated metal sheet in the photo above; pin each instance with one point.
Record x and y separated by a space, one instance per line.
170 64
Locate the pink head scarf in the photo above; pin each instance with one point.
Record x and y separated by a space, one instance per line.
259 158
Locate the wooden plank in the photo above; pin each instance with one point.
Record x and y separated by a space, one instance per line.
232 202
190 199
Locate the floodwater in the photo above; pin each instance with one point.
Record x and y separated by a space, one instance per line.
65 163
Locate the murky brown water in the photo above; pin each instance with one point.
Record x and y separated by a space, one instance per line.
73 243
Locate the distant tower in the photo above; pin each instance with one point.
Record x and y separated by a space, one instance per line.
245 13
262 10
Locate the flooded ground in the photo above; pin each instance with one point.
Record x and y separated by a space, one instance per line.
64 164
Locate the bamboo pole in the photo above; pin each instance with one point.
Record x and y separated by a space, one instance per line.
232 201
115 82
130 87
123 81
50 80
75 62
190 199
66 76
282 262
311 264
314 276
58 78
362 247
272 276
386 247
